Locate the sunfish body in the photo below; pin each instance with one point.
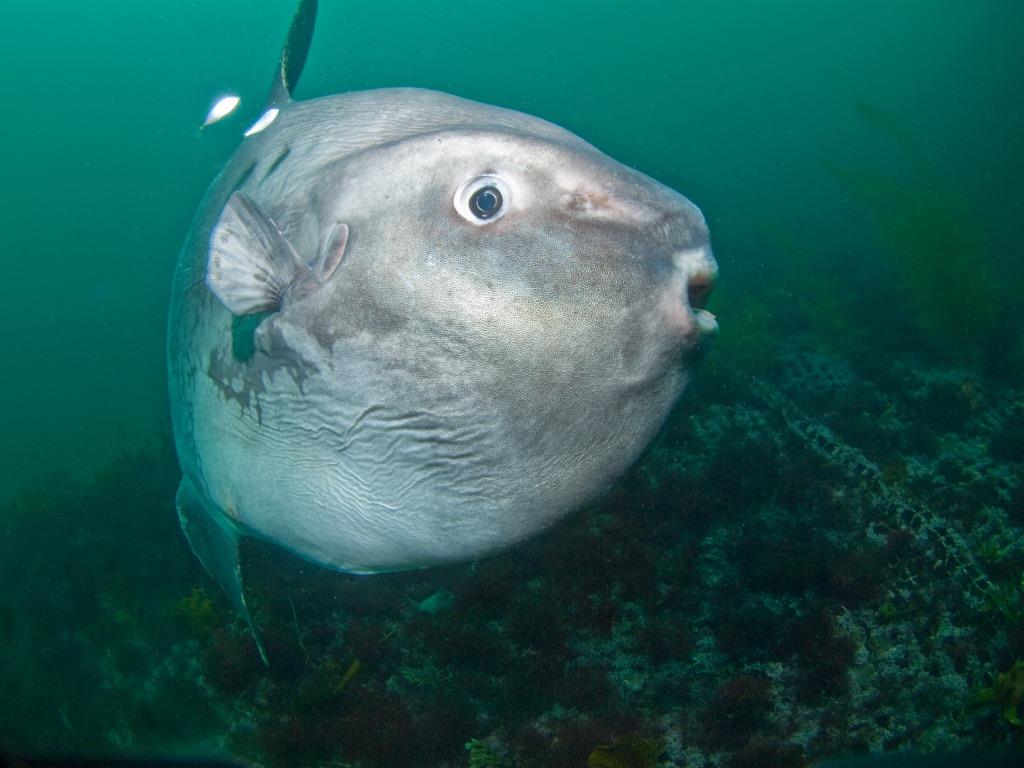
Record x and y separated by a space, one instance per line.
409 329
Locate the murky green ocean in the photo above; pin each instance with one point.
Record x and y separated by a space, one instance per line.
822 556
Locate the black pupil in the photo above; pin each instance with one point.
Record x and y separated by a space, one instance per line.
485 202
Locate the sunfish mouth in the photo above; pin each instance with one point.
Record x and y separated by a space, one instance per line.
698 290
688 292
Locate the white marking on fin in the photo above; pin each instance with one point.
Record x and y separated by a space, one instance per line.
221 109
251 265
264 121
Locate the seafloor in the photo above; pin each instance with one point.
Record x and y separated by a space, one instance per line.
819 556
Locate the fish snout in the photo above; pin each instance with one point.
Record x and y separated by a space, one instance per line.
685 301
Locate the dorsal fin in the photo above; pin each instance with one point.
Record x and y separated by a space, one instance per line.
293 55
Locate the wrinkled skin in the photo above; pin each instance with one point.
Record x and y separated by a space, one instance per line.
454 386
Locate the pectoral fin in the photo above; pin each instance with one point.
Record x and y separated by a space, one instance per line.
251 265
214 540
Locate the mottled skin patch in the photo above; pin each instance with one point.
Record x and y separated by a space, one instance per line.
221 372
270 354
243 335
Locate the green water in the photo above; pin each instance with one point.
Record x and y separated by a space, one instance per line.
796 126
737 105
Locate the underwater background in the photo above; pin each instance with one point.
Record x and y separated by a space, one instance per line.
823 555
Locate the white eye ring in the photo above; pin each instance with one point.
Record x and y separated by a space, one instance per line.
483 199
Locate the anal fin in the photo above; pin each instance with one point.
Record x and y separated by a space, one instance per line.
214 540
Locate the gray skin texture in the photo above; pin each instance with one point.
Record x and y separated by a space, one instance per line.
453 387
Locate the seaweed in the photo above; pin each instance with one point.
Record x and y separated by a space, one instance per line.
197 612
626 752
1006 693
484 755
940 253
935 243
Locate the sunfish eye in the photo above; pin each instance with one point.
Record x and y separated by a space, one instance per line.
485 202
483 199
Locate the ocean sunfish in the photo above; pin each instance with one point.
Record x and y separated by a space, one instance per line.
408 329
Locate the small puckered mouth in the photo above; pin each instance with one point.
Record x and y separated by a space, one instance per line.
695 279
698 290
